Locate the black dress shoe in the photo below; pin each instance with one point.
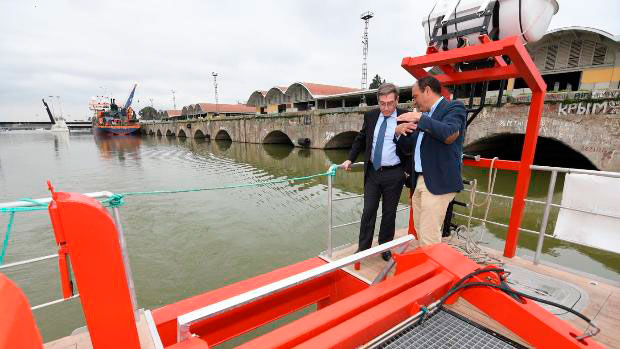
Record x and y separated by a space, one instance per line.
386 255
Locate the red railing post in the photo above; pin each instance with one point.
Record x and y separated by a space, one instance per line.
91 243
523 178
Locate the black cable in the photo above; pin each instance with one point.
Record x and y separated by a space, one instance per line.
513 292
460 285
428 22
521 24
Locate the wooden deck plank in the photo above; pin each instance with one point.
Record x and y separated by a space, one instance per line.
80 339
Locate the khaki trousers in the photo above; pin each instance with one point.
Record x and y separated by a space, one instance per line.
429 211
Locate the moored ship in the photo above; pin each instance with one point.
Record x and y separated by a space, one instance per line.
110 118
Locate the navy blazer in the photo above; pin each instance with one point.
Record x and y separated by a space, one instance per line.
363 140
441 149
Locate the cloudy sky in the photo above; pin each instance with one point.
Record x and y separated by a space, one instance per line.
78 49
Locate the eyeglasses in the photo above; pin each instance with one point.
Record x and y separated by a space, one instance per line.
387 104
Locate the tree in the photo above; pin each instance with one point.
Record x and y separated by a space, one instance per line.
376 82
148 113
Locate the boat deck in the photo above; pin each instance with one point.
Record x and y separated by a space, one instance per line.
598 300
80 339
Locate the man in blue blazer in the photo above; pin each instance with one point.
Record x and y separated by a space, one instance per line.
437 147
384 174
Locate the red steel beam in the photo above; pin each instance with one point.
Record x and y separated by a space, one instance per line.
486 74
500 164
320 321
166 317
368 325
523 178
468 53
236 322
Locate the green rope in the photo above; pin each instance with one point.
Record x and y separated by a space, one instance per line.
116 200
38 203
230 186
5 243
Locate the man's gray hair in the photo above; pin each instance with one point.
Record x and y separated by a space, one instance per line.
386 88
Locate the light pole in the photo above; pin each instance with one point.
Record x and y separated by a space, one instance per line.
215 86
174 100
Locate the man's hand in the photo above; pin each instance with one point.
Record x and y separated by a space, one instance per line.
411 116
346 165
405 128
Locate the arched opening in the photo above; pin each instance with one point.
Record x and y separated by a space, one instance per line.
277 137
151 132
199 134
341 140
159 133
278 151
222 135
223 145
169 133
181 134
549 151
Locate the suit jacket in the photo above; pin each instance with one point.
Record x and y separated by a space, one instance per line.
441 149
363 140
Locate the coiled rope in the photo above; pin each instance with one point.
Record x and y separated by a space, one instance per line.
466 242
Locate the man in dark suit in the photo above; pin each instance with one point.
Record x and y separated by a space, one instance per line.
437 146
383 167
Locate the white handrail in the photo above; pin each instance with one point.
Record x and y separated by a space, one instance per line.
186 320
13 204
576 170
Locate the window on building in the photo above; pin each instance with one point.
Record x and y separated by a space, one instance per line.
600 52
575 53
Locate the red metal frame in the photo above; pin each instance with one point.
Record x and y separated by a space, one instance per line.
321 291
521 66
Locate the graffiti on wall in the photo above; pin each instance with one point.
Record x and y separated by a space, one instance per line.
581 108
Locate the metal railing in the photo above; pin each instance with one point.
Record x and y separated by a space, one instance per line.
121 238
330 200
548 204
186 320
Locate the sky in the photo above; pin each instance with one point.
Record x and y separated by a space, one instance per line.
79 49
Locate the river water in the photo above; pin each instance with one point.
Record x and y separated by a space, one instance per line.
184 244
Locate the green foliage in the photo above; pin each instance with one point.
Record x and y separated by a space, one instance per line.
376 82
148 113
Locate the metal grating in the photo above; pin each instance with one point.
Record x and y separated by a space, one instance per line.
447 330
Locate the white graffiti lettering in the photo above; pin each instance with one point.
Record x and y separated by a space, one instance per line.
606 107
